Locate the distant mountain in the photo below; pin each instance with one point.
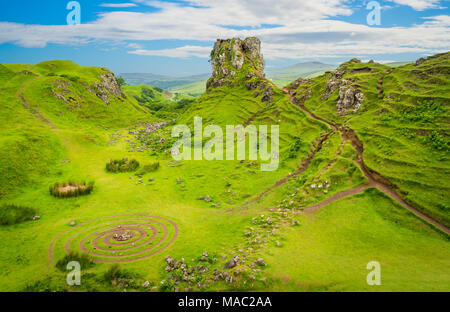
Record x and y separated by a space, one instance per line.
285 75
195 85
164 82
301 69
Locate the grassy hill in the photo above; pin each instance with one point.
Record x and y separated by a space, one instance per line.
194 89
40 102
403 124
162 103
161 81
311 225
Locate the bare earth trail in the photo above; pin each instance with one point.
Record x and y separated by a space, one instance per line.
375 179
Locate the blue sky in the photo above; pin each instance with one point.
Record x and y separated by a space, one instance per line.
175 37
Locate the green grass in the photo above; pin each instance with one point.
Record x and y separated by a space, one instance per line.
194 89
328 251
12 214
331 249
407 128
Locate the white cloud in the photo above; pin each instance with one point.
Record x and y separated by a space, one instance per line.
305 30
118 5
419 5
181 52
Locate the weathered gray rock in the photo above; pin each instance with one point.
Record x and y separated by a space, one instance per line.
229 56
260 262
108 86
350 98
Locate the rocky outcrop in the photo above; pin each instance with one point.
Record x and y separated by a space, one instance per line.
108 85
297 83
333 83
350 97
235 59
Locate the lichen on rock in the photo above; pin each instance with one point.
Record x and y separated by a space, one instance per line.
350 97
106 86
235 60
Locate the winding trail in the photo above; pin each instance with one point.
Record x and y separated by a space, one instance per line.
375 179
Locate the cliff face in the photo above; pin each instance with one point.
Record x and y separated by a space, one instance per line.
235 60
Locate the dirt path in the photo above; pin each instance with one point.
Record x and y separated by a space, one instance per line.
32 110
375 179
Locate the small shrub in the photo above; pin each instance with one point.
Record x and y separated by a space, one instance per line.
84 261
425 111
113 273
71 189
295 148
167 285
12 214
121 81
149 168
122 165
437 141
117 277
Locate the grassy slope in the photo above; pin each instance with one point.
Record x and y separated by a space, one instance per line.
361 228
331 249
35 120
115 194
394 140
193 89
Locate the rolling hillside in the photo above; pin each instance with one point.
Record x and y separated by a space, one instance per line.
40 102
362 176
402 122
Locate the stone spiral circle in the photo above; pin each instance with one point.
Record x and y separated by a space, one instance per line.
114 239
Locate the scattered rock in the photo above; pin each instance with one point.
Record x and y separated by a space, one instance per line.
260 262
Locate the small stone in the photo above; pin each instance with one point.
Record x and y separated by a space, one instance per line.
72 223
146 284
260 262
230 264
